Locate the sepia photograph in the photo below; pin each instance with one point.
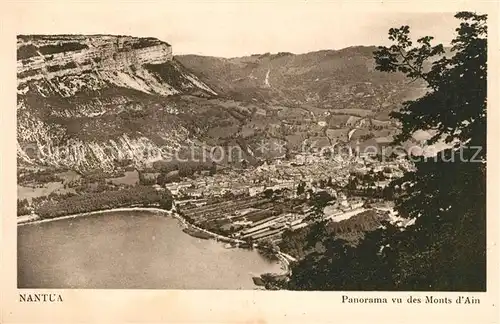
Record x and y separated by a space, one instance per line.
249 162
349 155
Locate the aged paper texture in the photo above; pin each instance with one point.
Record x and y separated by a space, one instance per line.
249 162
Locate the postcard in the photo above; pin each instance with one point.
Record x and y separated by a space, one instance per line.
249 162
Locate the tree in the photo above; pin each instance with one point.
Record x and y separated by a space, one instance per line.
165 201
249 241
322 183
268 249
213 169
23 207
268 193
447 194
445 249
318 201
301 188
365 267
244 164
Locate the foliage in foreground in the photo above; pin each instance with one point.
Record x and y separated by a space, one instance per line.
445 249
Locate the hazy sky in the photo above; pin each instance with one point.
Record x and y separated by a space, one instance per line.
235 29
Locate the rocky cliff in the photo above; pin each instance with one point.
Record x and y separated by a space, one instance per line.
88 101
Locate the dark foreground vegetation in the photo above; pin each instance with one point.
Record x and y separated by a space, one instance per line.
23 207
445 249
299 242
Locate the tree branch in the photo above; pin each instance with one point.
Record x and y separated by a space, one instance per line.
418 72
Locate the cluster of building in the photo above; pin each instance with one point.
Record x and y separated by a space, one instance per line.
227 195
285 175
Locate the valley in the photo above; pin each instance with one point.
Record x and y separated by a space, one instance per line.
258 150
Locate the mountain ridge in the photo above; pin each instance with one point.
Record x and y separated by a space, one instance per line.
78 85
315 78
101 99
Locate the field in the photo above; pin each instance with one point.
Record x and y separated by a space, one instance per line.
130 178
337 134
252 218
27 192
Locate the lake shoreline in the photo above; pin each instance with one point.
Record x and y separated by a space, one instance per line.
187 228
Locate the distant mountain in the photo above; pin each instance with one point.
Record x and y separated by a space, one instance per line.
332 79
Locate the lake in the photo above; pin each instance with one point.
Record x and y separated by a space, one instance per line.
137 249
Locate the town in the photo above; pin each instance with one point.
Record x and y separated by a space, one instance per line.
258 204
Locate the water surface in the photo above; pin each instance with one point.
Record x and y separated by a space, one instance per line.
130 250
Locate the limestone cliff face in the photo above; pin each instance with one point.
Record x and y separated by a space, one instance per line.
89 98
69 64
